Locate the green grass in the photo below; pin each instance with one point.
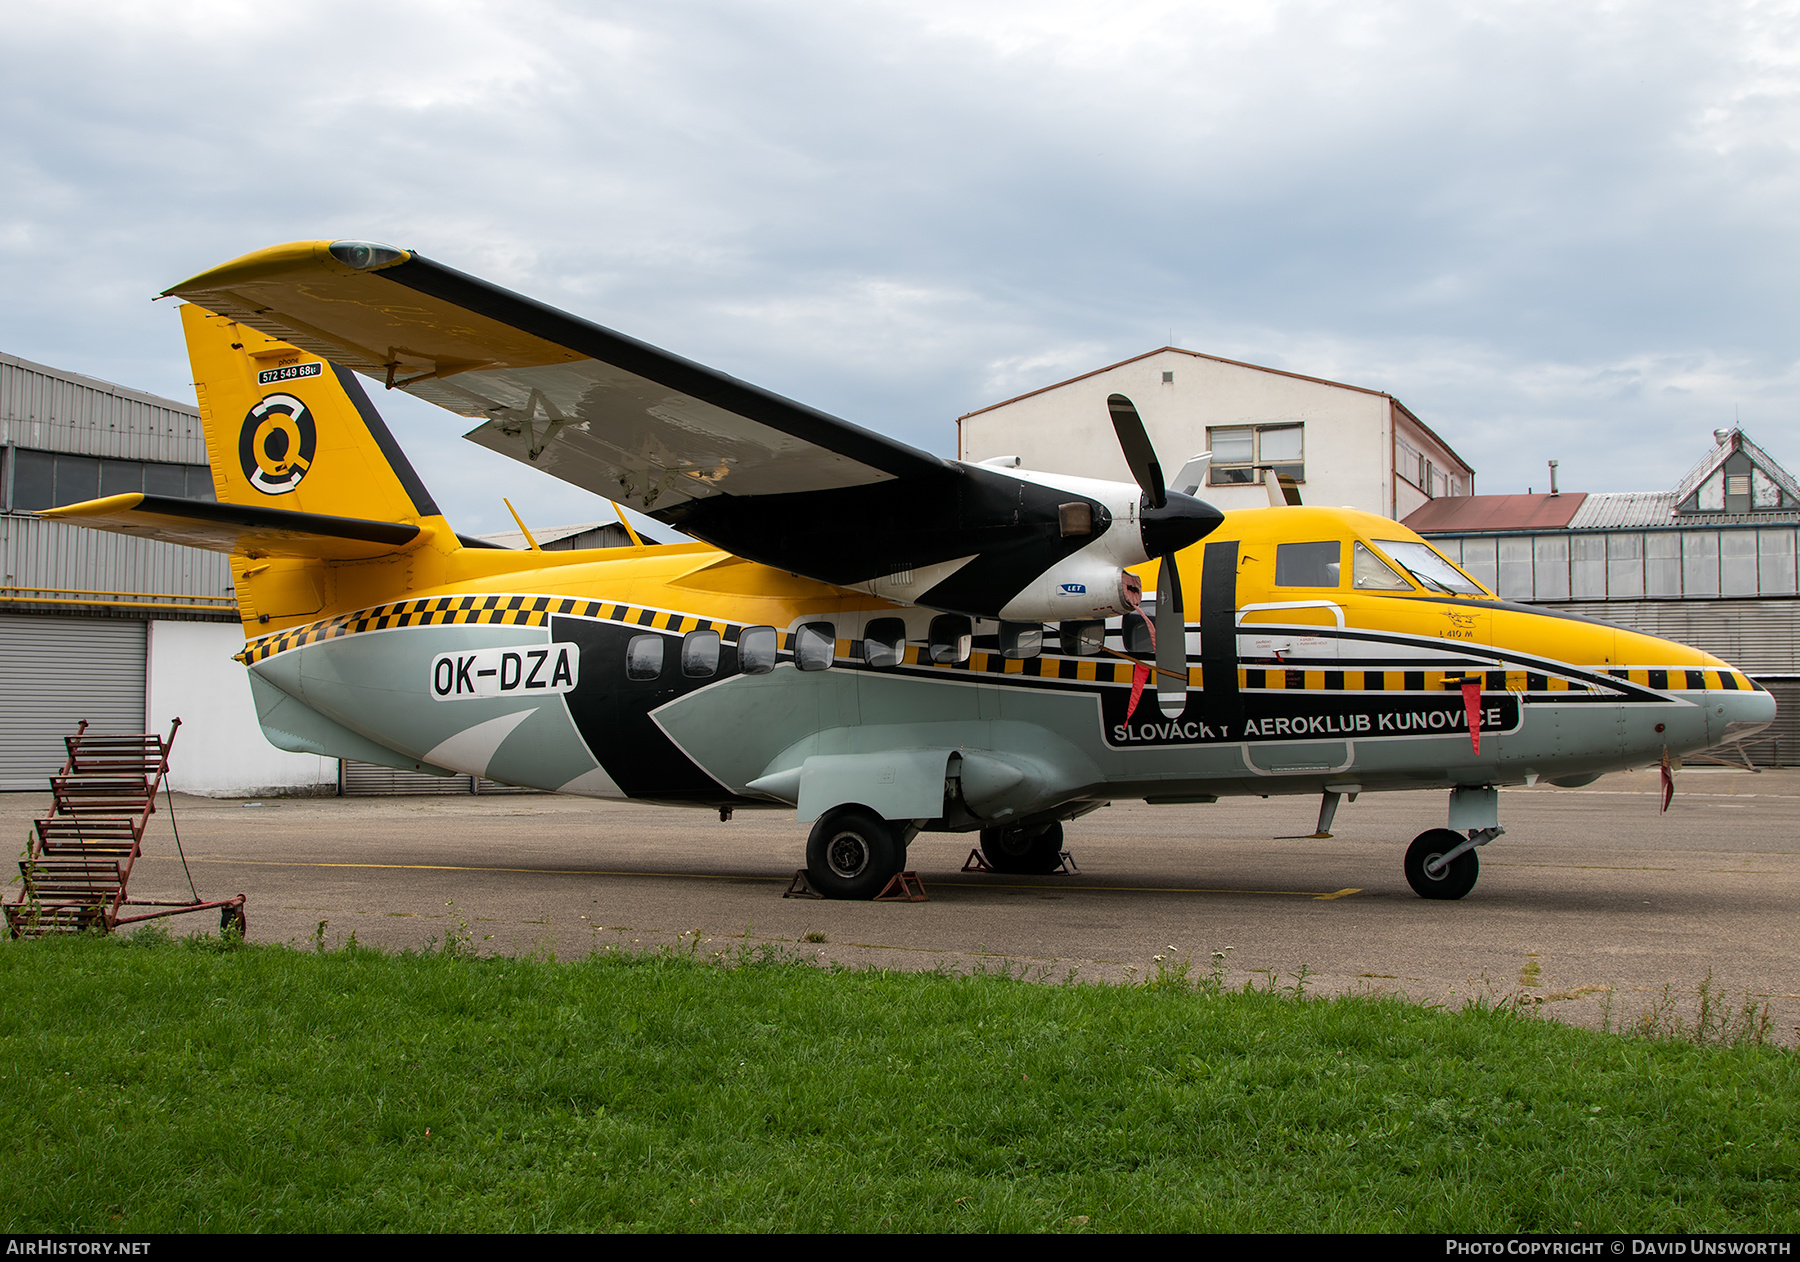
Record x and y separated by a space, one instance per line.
179 1086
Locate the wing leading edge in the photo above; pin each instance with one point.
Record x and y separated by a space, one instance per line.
725 461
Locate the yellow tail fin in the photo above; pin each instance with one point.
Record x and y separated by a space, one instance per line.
285 429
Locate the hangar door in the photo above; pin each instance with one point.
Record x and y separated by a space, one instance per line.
55 672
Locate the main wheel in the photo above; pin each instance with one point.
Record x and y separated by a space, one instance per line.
852 853
1453 881
1035 850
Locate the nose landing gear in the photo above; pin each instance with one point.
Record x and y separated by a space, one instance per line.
1441 862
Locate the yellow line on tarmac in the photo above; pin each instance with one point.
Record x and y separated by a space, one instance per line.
1146 889
457 867
726 876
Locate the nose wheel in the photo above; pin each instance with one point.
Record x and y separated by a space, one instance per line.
1428 873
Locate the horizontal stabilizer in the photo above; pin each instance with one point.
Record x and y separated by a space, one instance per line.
239 528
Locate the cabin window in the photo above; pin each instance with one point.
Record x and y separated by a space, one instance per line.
1369 572
1082 639
700 654
1021 640
815 645
756 648
1431 570
1308 564
1240 453
951 638
884 643
1135 631
644 657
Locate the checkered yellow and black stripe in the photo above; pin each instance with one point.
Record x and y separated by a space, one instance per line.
531 611
500 610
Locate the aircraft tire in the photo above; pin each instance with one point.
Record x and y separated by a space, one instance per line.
852 853
1453 882
1031 851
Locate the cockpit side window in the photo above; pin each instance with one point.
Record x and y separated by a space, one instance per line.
1308 564
1369 572
1432 571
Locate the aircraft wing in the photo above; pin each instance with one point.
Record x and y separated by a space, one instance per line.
761 476
596 408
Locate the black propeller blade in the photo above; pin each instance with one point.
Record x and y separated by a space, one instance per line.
1166 523
1171 641
1134 441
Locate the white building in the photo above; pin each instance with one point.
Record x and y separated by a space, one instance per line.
1341 444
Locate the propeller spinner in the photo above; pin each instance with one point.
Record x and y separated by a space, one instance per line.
1168 522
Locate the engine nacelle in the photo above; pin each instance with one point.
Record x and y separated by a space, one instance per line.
1082 587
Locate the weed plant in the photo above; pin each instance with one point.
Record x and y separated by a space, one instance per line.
152 1085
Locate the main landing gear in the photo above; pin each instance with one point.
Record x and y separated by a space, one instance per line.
1034 850
853 853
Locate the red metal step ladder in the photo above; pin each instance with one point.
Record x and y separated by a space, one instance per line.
78 862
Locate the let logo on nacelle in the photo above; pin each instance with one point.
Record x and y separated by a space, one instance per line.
505 672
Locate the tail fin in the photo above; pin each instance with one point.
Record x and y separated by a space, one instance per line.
285 429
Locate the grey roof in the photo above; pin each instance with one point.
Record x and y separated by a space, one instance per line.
1637 510
1620 509
548 534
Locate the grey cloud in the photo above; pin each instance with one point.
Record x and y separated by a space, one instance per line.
1541 225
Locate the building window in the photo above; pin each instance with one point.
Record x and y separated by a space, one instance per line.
1550 567
36 480
1737 563
1662 564
1699 563
1514 577
1240 453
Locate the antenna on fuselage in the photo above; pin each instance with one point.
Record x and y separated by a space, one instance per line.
521 521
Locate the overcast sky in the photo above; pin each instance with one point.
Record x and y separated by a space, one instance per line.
1553 229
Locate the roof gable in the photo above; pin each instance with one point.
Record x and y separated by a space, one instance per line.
1736 476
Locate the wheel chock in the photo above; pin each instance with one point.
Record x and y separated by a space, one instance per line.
977 862
903 887
800 887
1067 866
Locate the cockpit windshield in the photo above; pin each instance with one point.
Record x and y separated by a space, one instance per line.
1431 570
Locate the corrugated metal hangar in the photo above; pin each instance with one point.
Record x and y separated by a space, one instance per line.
126 633
1710 563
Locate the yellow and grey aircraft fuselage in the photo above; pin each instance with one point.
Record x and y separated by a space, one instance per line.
986 667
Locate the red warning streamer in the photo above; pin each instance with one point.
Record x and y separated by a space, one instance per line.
1471 691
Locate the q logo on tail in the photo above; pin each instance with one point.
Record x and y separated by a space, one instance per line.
275 446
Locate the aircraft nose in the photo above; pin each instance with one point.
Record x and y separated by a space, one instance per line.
1740 714
1181 520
